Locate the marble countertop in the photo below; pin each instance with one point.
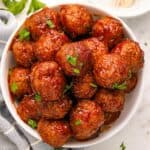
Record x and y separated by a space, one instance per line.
136 135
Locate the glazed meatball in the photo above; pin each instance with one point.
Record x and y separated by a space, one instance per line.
56 109
48 44
110 100
132 52
85 119
29 108
55 133
74 58
131 83
76 20
97 48
108 29
47 80
42 22
23 52
84 86
111 117
110 69
19 81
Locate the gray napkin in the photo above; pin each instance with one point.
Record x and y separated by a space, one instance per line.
12 136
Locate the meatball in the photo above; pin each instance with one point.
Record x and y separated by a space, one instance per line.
29 108
97 48
132 52
48 44
111 117
131 83
76 20
110 100
108 29
56 109
85 119
55 133
19 81
42 22
84 86
74 58
47 80
110 69
23 52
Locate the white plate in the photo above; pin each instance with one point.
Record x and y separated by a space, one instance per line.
139 7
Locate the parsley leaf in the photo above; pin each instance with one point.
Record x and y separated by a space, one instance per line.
37 97
72 60
77 122
93 85
67 88
14 87
32 123
50 24
35 5
76 71
15 6
121 86
24 34
122 146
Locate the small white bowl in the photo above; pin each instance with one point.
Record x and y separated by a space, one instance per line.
132 101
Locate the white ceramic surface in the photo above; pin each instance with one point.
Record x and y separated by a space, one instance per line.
131 105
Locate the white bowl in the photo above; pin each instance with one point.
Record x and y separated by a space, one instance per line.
131 104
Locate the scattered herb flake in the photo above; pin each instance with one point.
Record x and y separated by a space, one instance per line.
10 72
24 34
50 24
122 86
145 44
37 97
77 122
122 146
14 87
32 123
72 60
93 85
67 88
130 74
76 71
35 5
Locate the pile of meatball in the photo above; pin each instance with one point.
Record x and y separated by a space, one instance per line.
72 72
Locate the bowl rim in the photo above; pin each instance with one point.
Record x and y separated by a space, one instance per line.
31 131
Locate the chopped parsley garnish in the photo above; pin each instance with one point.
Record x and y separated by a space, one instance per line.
77 122
121 86
76 71
35 5
122 146
145 44
67 88
14 87
130 74
32 123
50 24
72 60
24 34
37 97
93 85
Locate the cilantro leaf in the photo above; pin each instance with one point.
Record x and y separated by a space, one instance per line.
76 71
50 24
14 87
15 6
93 85
67 88
37 97
121 86
32 123
122 146
35 5
24 34
72 60
77 122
